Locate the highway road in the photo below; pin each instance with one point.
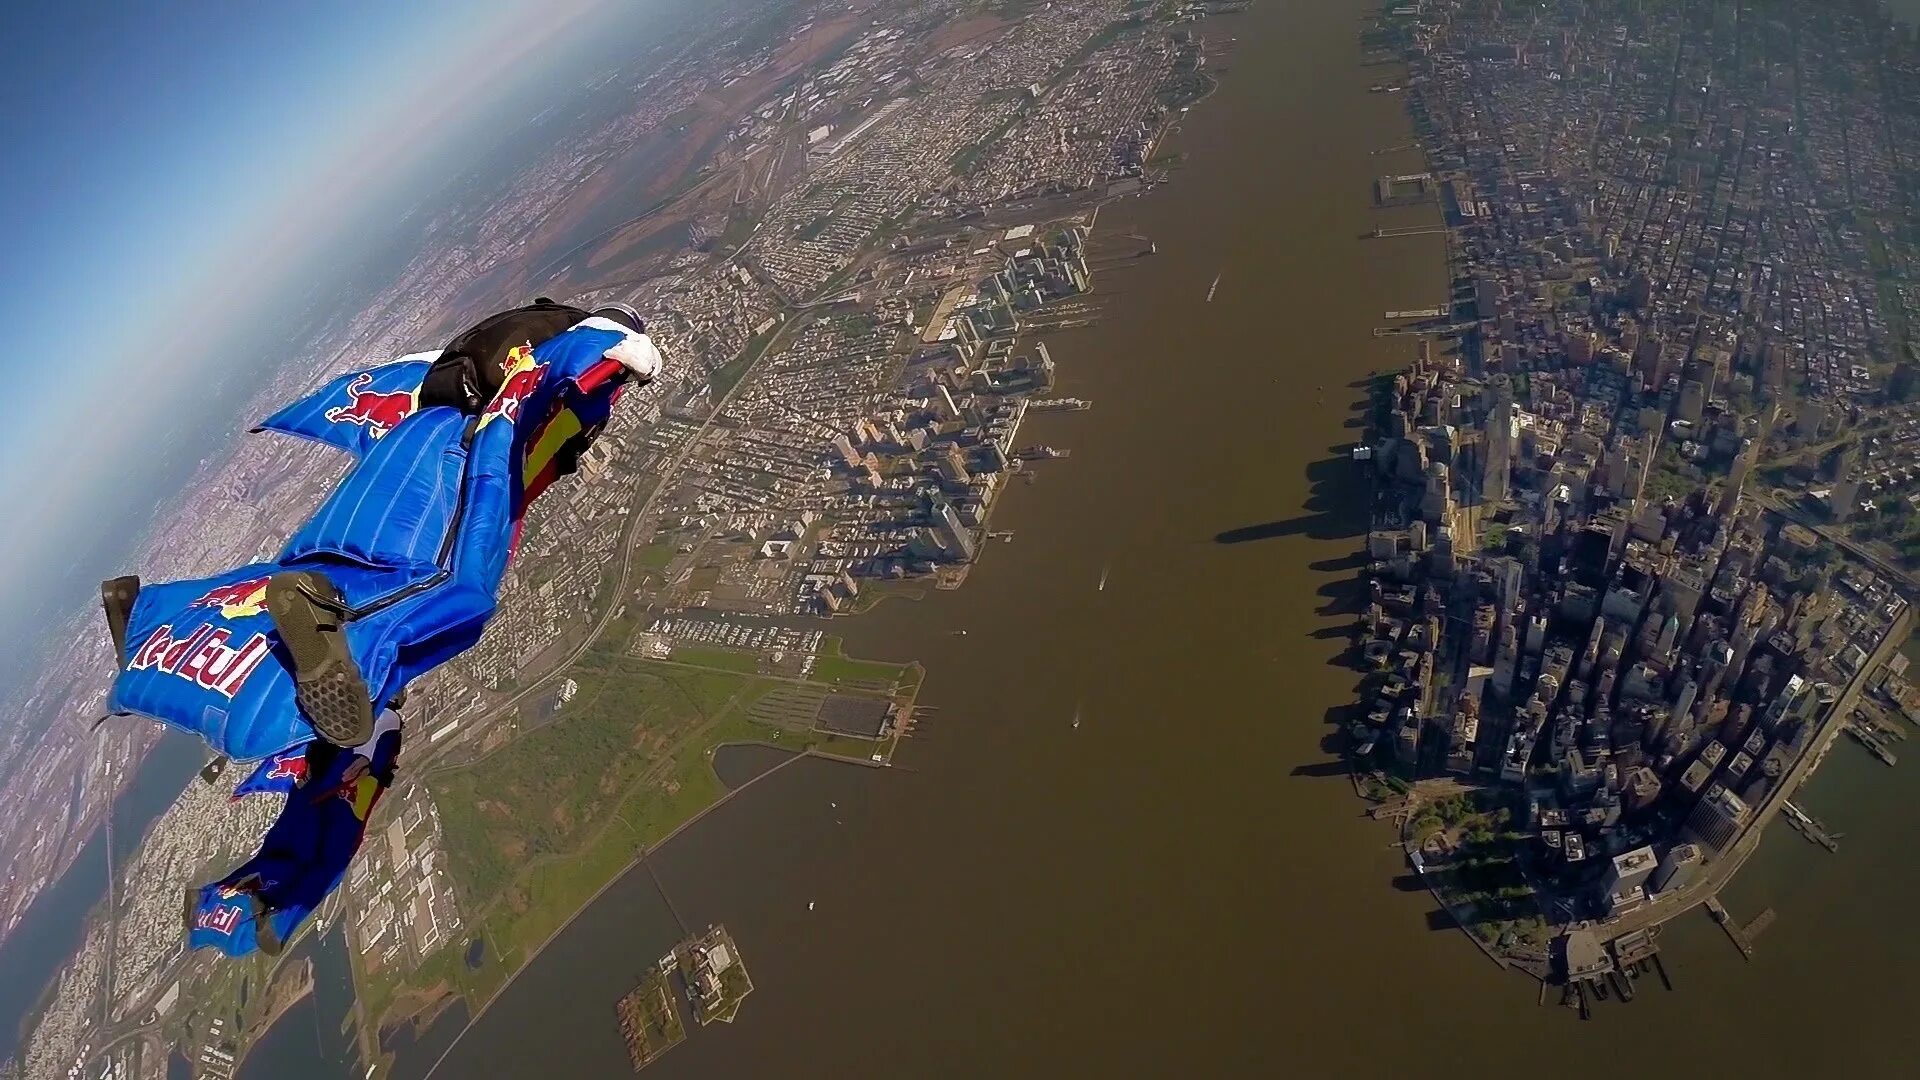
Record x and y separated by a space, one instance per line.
1721 870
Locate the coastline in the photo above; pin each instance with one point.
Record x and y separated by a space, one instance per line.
638 862
1624 932
912 589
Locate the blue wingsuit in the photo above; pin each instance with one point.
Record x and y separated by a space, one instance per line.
416 537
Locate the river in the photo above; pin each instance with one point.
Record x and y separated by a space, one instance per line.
55 924
308 1041
1183 884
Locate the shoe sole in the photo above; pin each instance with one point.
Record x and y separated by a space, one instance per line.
116 599
264 934
327 681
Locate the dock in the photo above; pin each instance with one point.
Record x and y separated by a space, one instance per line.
1809 826
1872 741
1420 330
1407 230
1734 932
1417 313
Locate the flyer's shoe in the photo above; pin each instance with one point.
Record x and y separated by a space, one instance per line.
263 932
116 598
310 615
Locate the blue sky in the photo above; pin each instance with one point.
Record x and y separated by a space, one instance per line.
168 167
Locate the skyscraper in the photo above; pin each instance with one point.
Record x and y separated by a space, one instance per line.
1626 878
955 539
1730 494
1498 457
844 447
1676 868
1718 819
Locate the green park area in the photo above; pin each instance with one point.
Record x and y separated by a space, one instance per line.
536 828
656 555
834 666
712 656
1469 846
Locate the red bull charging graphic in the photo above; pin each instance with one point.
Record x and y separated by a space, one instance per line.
377 410
239 600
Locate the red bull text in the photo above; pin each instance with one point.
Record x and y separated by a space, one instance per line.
372 408
203 657
220 920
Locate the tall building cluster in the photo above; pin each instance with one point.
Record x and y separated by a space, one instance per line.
1645 674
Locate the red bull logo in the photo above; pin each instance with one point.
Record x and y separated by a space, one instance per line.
523 377
220 920
238 600
287 767
203 657
374 409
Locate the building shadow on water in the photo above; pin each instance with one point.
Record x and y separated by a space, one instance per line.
1345 564
1333 744
1336 507
1343 596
